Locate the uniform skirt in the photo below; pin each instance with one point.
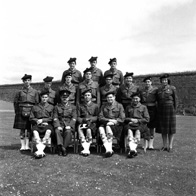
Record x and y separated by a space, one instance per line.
144 130
166 119
21 122
152 110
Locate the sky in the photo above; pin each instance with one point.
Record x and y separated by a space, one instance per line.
146 36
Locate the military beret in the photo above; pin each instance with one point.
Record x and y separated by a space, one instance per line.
48 79
147 78
71 60
93 59
26 76
136 94
109 75
110 93
64 92
87 91
87 70
112 60
44 92
164 76
128 74
68 73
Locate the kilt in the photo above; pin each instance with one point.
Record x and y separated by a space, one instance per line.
93 127
21 122
152 110
117 131
144 130
166 119
42 129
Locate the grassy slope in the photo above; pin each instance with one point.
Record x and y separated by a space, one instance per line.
154 173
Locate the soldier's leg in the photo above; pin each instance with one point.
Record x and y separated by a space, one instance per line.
104 138
151 141
132 143
39 145
109 137
27 136
88 141
67 136
46 139
59 139
22 139
82 138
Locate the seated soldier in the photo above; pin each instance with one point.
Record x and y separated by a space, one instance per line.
41 119
64 122
111 118
136 121
87 117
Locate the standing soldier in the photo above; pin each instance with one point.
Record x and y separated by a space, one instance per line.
64 120
68 85
167 104
87 118
97 74
149 99
23 103
111 118
118 76
126 90
107 87
88 83
41 119
47 87
76 74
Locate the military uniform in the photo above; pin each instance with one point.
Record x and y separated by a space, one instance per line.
139 112
104 90
149 99
97 75
124 94
117 78
23 103
52 96
83 86
114 111
45 112
64 115
88 111
167 103
76 76
72 88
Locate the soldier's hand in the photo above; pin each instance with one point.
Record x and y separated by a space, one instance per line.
60 128
67 127
113 121
39 121
110 123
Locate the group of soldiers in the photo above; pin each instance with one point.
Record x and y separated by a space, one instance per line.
94 105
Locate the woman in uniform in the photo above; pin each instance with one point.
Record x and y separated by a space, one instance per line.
167 104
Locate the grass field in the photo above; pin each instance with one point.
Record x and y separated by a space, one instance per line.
153 173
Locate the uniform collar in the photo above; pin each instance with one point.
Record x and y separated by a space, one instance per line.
89 104
136 106
72 71
27 89
44 105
